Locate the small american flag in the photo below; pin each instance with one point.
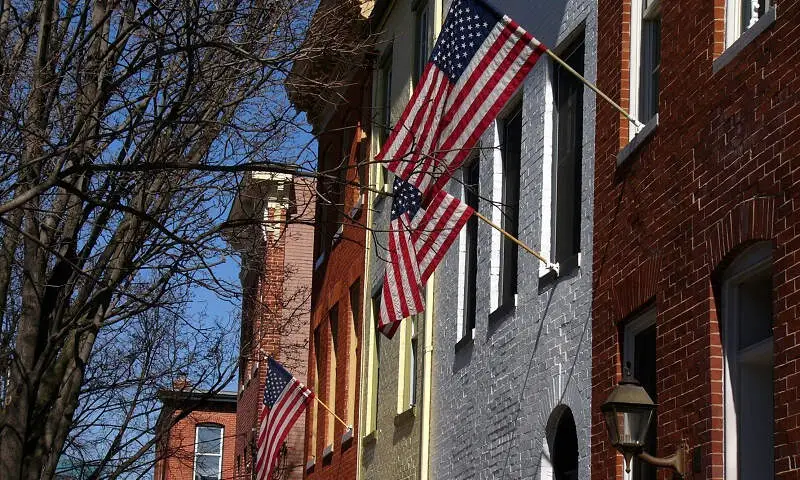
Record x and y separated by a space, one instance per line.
418 239
285 398
479 60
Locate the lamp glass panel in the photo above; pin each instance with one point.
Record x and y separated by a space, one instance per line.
630 424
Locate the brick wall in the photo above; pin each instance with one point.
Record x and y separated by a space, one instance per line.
392 450
277 305
497 399
720 172
340 267
178 449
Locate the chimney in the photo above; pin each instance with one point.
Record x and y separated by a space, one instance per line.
181 382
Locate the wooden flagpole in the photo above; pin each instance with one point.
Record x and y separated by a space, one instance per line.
331 412
548 264
605 97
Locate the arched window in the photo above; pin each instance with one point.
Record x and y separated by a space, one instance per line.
208 451
747 343
560 448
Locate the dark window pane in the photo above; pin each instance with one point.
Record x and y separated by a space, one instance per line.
422 41
569 140
209 439
512 151
649 69
471 196
644 369
206 467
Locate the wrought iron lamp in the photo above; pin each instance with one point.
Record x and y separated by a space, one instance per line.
628 412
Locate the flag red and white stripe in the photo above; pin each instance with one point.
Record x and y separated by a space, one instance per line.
285 399
416 246
455 103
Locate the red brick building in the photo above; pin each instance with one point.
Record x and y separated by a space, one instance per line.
338 289
202 443
697 232
270 227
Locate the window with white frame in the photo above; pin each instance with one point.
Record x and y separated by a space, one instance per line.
568 151
511 138
422 38
645 59
639 358
333 368
373 364
468 254
208 452
407 391
313 409
384 118
747 347
741 15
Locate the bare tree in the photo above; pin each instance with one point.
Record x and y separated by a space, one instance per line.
122 123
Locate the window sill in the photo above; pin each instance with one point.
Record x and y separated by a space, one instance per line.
466 340
320 260
637 141
355 212
406 416
567 269
747 37
327 453
371 438
504 310
311 463
337 236
347 438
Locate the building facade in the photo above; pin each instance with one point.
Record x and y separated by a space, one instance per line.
696 232
395 413
270 225
340 118
201 444
513 339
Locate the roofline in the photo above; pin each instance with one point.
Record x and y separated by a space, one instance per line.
166 395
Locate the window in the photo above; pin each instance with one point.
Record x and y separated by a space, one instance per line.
741 15
422 39
747 345
333 367
645 59
568 141
352 362
511 152
208 452
384 114
407 382
468 254
314 409
374 365
639 357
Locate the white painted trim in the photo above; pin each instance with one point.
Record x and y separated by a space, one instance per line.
751 262
548 160
634 70
462 270
545 462
636 326
197 428
497 218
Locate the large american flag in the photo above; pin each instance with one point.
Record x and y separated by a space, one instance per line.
418 239
479 60
285 398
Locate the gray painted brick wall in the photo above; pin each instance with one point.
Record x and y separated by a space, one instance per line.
492 399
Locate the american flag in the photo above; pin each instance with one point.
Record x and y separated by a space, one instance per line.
285 398
418 239
479 60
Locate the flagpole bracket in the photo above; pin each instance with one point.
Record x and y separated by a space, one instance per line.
554 267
